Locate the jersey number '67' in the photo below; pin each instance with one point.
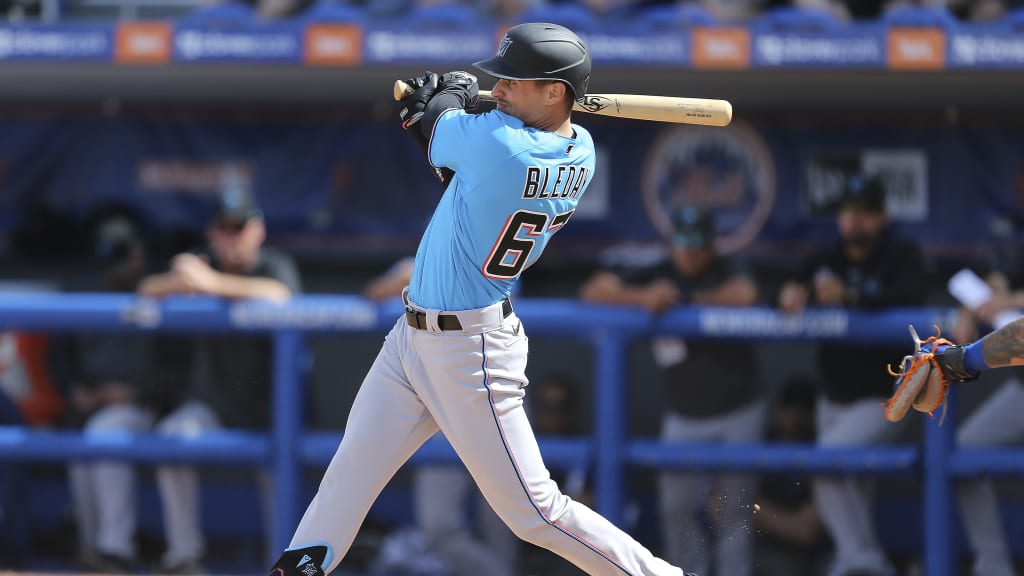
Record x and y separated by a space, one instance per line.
511 253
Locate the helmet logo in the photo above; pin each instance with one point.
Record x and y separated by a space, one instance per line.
503 46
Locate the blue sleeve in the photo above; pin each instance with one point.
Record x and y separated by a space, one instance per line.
468 143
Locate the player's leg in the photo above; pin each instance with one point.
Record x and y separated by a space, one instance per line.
736 495
496 536
844 503
478 401
114 482
995 422
179 491
442 496
386 425
104 493
681 498
84 507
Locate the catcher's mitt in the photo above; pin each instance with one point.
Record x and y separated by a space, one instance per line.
924 377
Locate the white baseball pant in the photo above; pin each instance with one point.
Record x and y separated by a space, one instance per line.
103 492
470 385
684 494
443 494
845 503
997 421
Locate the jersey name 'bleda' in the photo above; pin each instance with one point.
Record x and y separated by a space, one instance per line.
569 181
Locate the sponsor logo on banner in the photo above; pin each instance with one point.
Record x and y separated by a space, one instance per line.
187 176
904 173
852 49
753 323
721 48
395 45
989 49
333 45
729 170
55 42
647 48
143 43
312 314
916 49
192 44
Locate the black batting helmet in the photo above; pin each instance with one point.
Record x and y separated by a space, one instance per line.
541 51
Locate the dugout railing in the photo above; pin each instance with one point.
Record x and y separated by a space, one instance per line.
286 447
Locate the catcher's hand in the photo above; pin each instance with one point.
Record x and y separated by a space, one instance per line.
924 376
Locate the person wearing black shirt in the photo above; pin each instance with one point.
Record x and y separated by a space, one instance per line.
996 421
712 391
231 383
869 269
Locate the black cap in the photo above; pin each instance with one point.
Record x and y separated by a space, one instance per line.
235 206
861 192
541 51
693 227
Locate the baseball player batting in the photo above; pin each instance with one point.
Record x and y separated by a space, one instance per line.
456 360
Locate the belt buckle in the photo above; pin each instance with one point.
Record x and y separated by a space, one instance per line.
418 319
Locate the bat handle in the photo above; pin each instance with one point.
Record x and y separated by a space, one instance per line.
401 89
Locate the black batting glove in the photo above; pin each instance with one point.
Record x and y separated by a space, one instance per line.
463 85
412 106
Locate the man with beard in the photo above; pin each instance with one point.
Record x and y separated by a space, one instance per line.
869 269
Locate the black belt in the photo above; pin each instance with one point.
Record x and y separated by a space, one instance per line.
446 322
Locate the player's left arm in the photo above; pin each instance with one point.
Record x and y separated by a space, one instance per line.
431 97
457 90
411 112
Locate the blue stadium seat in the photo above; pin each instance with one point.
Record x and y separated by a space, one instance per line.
1013 19
221 14
673 17
932 16
333 11
443 17
574 16
793 19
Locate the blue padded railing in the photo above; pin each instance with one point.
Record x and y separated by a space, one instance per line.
286 447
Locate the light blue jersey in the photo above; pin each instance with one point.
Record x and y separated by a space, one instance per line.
514 187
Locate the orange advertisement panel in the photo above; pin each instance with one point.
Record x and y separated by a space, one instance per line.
143 43
721 47
333 45
916 49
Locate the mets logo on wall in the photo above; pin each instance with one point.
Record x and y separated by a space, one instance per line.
729 170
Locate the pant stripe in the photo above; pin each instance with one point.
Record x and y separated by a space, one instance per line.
519 476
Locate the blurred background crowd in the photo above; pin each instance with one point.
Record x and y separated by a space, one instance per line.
620 11
869 210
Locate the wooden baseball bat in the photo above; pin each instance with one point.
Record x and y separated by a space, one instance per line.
706 112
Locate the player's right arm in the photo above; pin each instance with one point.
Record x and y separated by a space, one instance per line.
1005 346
